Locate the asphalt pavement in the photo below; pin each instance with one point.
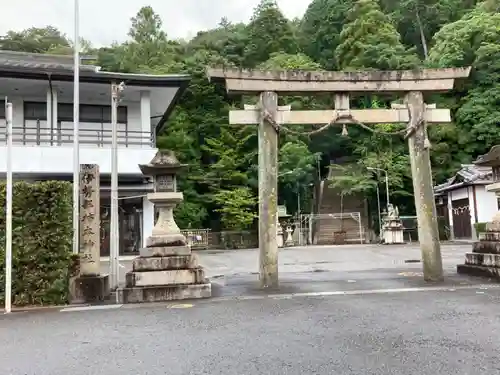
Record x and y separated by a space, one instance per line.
415 332
346 310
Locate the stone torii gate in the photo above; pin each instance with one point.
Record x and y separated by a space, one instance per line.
270 117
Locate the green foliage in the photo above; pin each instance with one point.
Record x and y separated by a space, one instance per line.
320 30
34 40
333 35
285 61
418 20
473 40
237 208
268 31
369 40
41 242
480 227
351 179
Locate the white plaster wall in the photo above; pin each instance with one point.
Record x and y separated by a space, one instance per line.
148 216
59 159
31 158
133 115
133 119
461 193
487 205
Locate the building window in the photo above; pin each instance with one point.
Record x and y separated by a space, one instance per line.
2 111
130 225
35 111
91 113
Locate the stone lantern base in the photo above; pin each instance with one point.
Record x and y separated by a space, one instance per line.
484 260
164 274
166 269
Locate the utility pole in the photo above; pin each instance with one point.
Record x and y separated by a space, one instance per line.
387 189
114 225
8 219
425 205
76 140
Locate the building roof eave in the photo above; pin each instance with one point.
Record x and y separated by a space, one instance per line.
93 76
181 81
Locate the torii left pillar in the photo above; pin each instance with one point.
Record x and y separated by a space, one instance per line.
268 194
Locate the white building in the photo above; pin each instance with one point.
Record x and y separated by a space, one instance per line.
463 200
40 88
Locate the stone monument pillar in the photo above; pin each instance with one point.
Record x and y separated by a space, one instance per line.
166 269
393 227
90 285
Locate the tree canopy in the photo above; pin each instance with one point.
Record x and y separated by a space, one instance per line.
221 186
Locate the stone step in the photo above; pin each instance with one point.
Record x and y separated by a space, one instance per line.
165 263
493 227
170 277
483 271
477 259
164 251
163 293
486 247
489 236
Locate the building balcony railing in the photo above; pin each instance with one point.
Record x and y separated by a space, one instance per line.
42 136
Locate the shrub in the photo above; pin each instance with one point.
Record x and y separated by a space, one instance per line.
42 233
480 227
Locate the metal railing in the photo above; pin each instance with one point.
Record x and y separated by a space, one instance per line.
37 135
197 238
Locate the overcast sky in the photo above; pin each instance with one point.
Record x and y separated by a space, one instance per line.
105 21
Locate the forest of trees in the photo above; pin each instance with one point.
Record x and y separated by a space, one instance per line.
221 186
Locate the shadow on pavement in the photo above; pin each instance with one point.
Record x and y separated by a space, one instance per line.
312 282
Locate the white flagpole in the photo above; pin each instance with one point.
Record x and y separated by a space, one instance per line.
76 141
8 220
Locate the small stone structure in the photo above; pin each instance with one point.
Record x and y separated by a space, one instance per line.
90 285
166 269
289 239
281 215
393 227
485 257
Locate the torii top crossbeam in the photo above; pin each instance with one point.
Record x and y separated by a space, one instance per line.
239 81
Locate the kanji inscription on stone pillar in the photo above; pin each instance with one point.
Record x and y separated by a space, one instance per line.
89 220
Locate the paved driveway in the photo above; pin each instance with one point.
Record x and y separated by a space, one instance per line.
320 258
428 332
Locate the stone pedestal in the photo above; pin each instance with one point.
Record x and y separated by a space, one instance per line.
393 232
393 227
90 285
484 260
166 269
279 230
289 239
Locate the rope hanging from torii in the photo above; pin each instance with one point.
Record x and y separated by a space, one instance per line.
268 116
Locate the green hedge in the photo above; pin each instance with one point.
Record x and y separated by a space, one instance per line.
480 227
41 242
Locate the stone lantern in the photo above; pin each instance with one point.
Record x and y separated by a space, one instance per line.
163 169
166 269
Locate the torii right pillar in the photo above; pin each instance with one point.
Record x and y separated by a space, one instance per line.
412 83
